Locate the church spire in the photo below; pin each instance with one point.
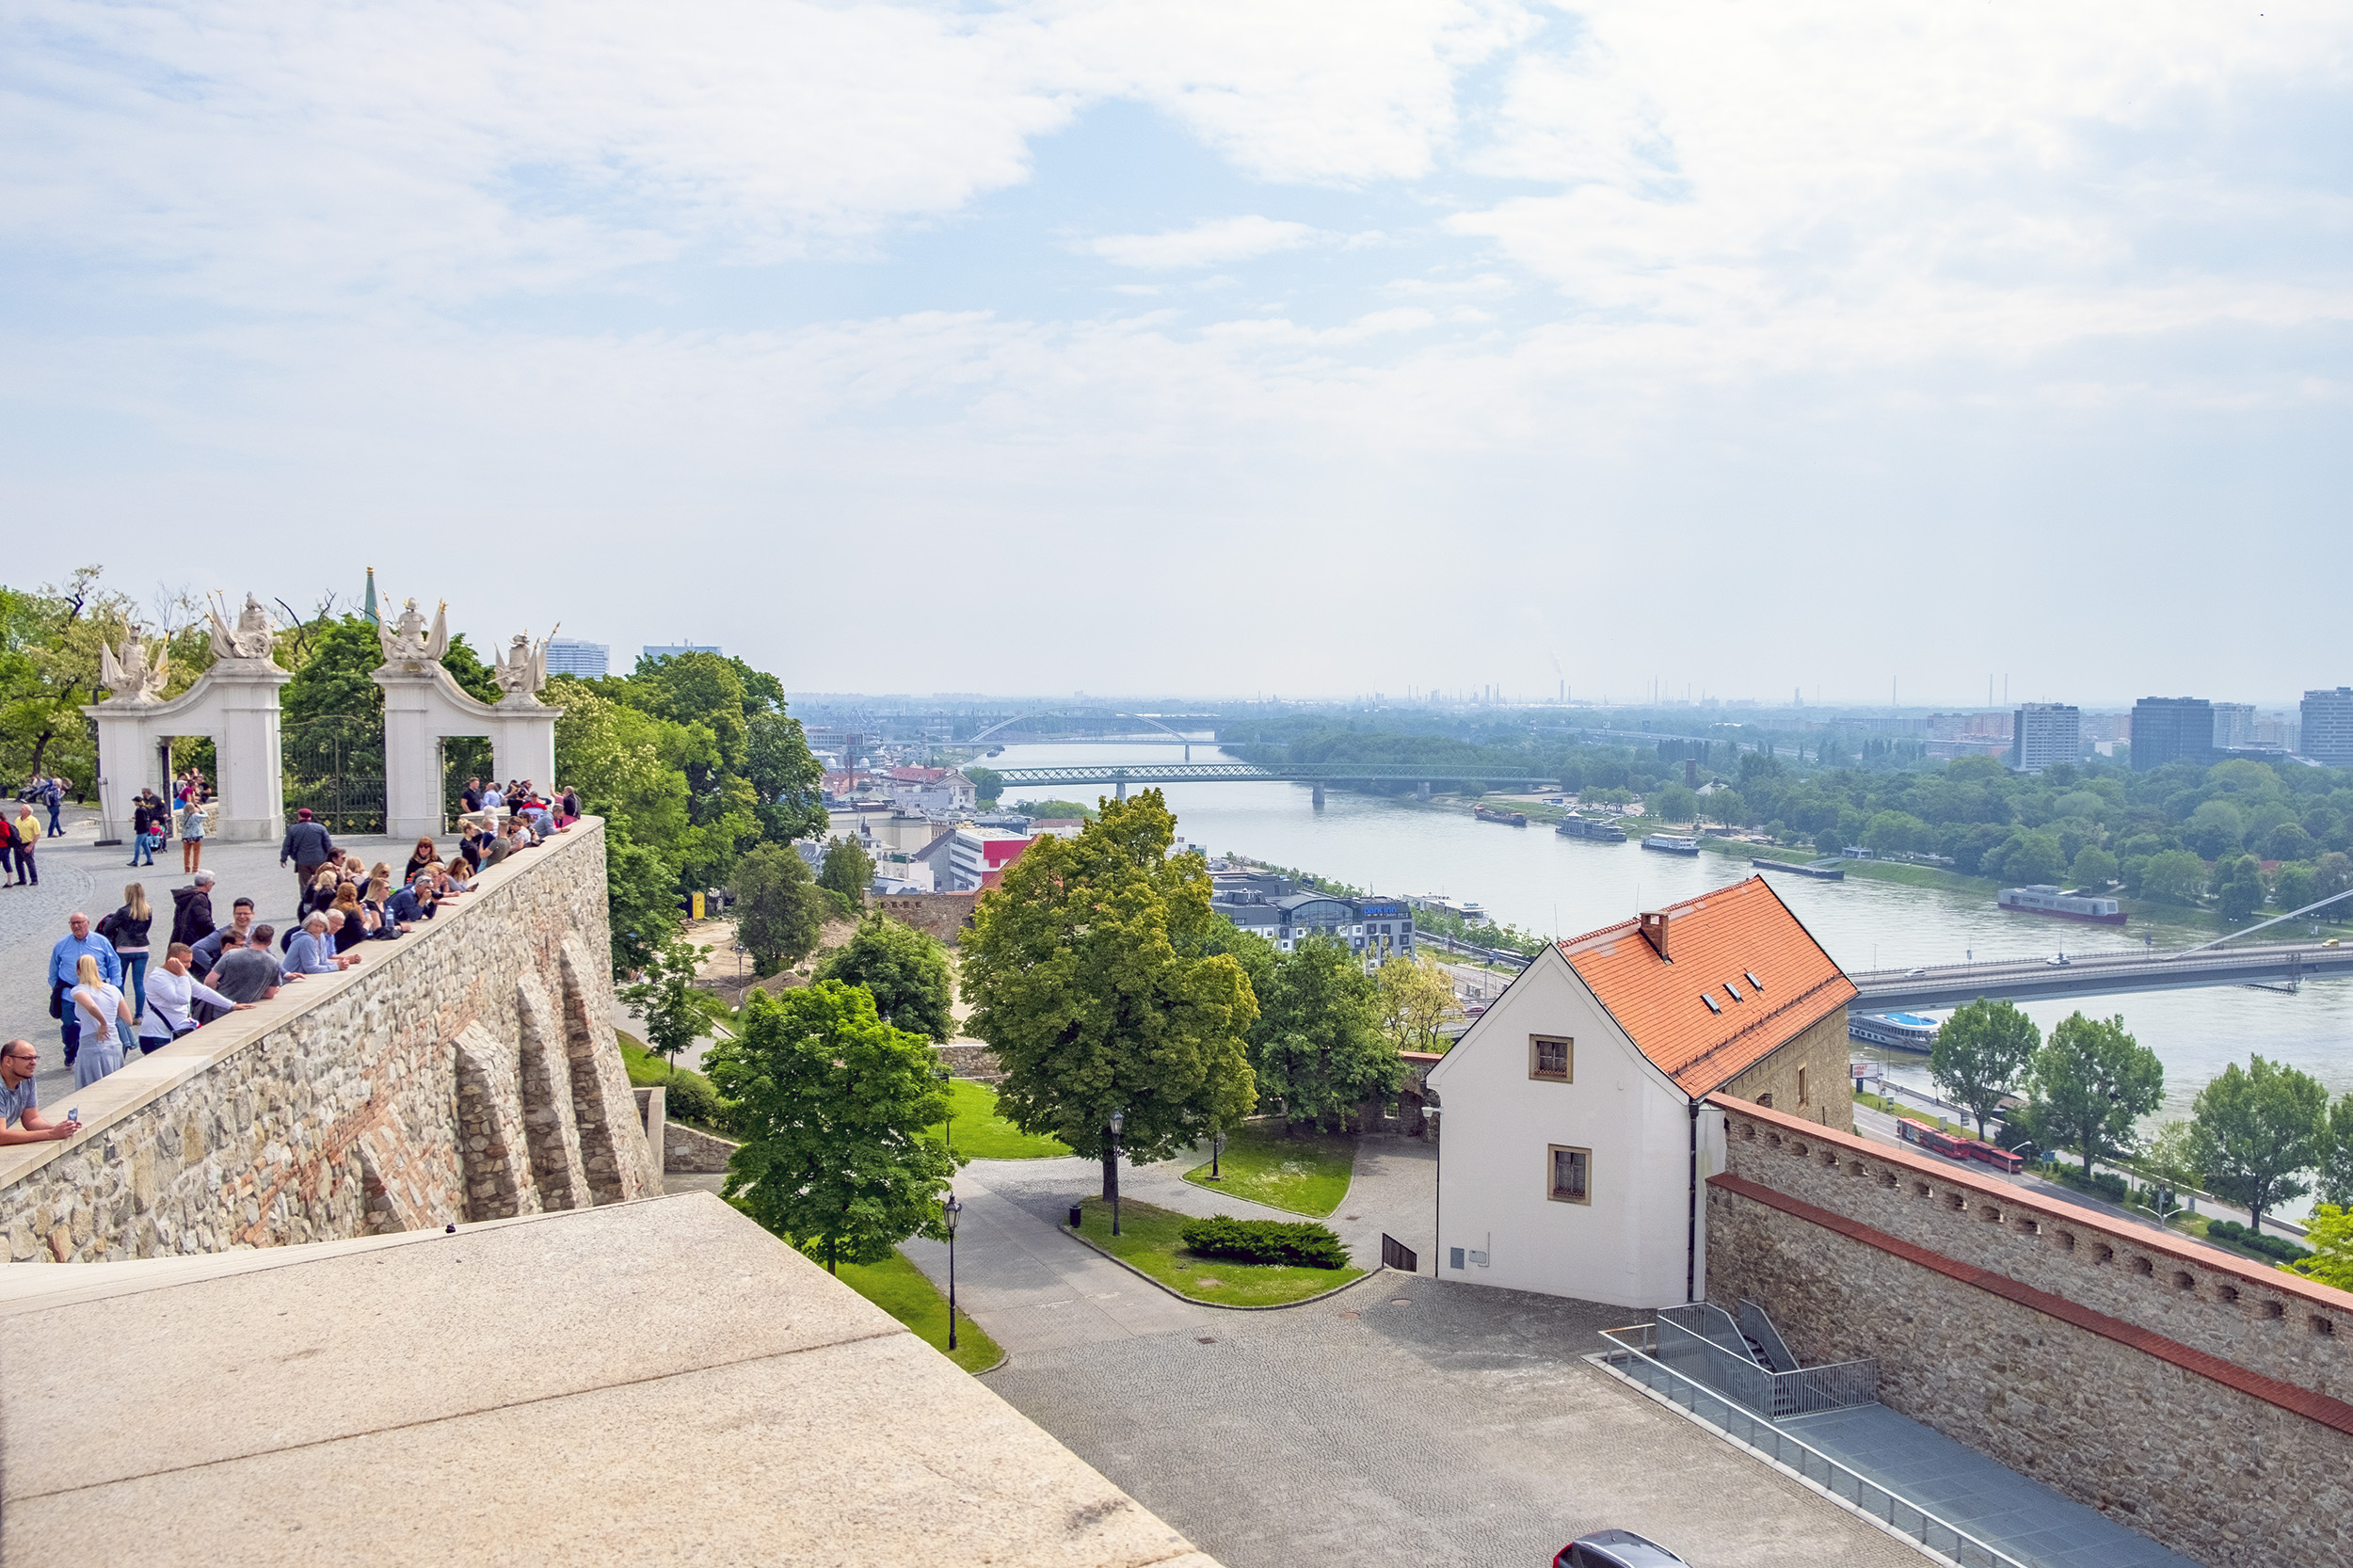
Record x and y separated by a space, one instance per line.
368 609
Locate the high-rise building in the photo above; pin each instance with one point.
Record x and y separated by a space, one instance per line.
2233 725
2044 734
2328 736
672 651
2171 729
571 656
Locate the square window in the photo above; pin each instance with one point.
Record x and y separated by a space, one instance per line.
1571 1171
1552 1057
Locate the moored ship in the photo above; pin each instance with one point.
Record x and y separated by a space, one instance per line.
1599 829
1673 843
2043 898
1896 1031
1509 819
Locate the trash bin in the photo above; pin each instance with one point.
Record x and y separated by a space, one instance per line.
1074 1216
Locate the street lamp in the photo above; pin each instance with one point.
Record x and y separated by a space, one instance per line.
1217 1147
949 1211
1119 1120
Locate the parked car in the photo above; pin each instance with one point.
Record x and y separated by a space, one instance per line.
1615 1549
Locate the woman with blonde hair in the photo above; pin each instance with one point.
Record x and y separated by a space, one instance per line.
126 928
100 1006
322 893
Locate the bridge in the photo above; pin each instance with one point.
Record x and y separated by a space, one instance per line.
2281 965
1318 773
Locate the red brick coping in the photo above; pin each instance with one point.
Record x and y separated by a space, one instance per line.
2301 1402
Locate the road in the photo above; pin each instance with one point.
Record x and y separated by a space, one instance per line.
2094 974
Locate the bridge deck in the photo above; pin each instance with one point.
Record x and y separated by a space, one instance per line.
2099 974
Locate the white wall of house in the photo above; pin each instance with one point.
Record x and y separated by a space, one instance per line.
1626 1244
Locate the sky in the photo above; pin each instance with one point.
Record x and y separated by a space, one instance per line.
1226 348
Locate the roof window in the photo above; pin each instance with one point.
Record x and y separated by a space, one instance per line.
1754 984
1712 1007
1734 991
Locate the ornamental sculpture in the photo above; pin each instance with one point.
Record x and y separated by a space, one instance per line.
408 640
127 673
521 670
252 640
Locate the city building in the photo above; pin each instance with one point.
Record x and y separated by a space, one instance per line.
674 651
1575 1141
2045 734
2328 726
944 789
1375 929
2284 730
2233 725
964 860
571 656
2171 729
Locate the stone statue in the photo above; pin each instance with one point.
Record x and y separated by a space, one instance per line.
251 641
408 640
127 673
523 669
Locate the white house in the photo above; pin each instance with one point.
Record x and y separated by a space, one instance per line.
1574 1135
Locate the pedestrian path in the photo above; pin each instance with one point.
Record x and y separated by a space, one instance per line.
1961 1486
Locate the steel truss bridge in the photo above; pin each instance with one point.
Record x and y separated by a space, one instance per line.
2275 966
1120 777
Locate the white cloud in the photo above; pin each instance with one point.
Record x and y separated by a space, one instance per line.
1214 243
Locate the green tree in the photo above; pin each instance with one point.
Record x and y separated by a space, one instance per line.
785 775
1057 809
848 871
2094 869
2255 1132
779 909
1980 1054
1089 973
2238 884
987 784
1319 1046
2092 1082
2215 829
1673 803
2329 1234
1417 999
2336 1163
2332 873
2293 887
2175 876
674 1011
2029 858
2172 1158
905 971
1727 806
1893 831
834 1105
641 899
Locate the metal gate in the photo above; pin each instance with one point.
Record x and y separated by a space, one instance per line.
1397 1255
335 766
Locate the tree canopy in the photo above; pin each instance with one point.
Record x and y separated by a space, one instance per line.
905 971
2255 1132
1982 1053
1317 1048
779 909
1089 975
2091 1082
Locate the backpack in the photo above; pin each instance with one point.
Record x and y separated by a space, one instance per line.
8 833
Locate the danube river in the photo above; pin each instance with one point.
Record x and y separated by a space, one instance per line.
1534 878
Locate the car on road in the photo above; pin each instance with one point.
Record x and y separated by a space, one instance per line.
1915 974
1615 1549
2058 960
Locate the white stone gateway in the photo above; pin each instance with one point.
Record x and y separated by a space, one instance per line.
234 705
424 705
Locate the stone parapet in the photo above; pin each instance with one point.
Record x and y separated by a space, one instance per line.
467 1071
940 916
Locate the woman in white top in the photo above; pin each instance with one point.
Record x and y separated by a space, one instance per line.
172 992
106 1024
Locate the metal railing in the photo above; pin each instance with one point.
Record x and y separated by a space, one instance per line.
1633 1360
1755 1326
1702 1342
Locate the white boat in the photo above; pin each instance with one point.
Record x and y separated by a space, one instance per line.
1673 843
1898 1031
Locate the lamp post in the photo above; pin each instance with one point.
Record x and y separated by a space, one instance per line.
1217 1147
1119 1120
949 1211
942 1075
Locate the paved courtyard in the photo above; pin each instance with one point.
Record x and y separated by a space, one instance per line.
1404 1420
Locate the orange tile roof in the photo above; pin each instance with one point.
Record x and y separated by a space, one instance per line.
1718 940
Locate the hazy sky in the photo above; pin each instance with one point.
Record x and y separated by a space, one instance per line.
1215 347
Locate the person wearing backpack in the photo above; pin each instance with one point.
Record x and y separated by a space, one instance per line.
7 849
126 929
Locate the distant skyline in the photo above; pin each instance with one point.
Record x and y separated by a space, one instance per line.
1320 350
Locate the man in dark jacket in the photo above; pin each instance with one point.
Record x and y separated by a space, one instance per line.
308 847
192 910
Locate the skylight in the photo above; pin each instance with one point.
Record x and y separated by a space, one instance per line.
1754 984
1734 991
1712 1005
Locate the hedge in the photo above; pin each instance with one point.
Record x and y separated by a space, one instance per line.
2270 1246
1301 1242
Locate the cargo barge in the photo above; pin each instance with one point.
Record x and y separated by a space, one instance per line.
1596 828
2043 898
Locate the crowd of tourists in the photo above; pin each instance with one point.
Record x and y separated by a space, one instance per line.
108 1000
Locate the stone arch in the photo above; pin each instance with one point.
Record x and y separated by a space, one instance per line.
234 705
546 1084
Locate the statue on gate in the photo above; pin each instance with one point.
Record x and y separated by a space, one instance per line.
127 673
408 640
251 640
523 669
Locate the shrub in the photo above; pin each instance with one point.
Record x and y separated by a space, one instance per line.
1301 1242
688 1098
2279 1247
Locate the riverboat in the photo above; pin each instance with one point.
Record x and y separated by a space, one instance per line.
1896 1031
2043 898
1509 819
1597 828
1673 843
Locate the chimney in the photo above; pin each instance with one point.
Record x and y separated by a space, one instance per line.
1691 773
1655 931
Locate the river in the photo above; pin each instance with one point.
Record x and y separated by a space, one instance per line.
1534 878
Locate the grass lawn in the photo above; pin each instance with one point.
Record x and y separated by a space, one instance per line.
1306 1175
905 1292
979 1132
1148 1240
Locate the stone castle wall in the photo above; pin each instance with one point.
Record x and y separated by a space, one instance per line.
939 916
465 1072
1807 1076
2198 1397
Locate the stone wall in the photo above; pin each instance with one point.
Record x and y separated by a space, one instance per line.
1825 1095
691 1151
939 916
465 1072
972 1060
2197 1396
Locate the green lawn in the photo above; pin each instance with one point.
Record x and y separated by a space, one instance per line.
1148 1240
905 1292
979 1132
1306 1175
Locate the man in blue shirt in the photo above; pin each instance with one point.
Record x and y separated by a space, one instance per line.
407 907
64 960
